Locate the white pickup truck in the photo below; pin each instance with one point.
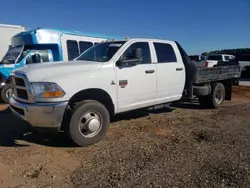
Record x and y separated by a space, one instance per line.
213 59
110 78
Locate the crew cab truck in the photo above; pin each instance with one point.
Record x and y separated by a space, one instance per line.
110 78
43 45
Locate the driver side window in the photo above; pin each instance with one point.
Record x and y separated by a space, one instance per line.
130 52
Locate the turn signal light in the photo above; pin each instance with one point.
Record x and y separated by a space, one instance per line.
48 94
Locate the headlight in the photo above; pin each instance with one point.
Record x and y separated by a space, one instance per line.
47 90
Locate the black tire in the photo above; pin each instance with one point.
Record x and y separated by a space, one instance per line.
94 110
4 93
214 101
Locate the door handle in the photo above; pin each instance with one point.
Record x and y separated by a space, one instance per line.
149 71
179 69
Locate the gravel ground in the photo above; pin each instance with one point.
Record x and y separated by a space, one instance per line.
180 146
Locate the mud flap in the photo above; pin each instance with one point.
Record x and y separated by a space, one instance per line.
228 89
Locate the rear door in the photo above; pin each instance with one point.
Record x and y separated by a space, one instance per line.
170 72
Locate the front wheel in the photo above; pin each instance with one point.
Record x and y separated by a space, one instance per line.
5 93
89 123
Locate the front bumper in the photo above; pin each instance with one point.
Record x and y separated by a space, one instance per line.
41 115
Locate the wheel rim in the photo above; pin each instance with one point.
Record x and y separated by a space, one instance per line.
90 124
8 93
219 96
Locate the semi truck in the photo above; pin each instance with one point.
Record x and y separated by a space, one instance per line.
6 32
43 45
110 78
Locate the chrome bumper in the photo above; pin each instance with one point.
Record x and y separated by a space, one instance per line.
43 115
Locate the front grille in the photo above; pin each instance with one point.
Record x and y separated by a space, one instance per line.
21 89
22 94
20 82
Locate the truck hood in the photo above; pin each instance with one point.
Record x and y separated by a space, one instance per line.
52 70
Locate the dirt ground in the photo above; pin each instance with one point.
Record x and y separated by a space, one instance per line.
180 146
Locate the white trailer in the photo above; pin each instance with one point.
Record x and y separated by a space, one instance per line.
6 32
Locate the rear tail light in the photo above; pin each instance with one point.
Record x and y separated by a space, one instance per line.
206 64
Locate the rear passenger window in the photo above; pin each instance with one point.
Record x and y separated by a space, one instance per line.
130 52
84 46
73 50
226 58
164 52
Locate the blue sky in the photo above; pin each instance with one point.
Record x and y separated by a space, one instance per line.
199 25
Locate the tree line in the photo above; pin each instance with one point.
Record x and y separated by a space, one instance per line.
242 54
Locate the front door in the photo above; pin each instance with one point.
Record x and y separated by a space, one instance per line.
170 72
136 84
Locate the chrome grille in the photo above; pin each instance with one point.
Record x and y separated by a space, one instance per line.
20 82
21 88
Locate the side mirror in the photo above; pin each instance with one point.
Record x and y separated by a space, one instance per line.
136 59
127 62
29 60
36 58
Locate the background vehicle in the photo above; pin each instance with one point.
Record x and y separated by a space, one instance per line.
43 45
111 78
199 60
6 32
244 61
214 58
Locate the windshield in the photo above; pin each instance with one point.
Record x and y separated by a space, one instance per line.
215 57
12 55
101 52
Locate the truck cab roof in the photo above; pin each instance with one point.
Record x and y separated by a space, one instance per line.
144 39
